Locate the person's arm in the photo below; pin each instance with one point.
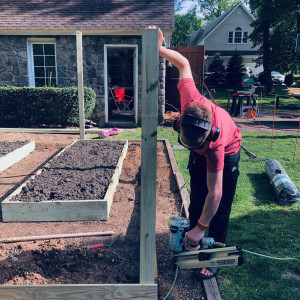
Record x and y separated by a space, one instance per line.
212 201
174 57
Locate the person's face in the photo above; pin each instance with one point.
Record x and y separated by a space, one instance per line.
187 144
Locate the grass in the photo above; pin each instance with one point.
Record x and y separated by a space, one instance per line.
258 223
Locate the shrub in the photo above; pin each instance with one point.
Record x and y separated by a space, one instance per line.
235 69
289 79
297 80
28 107
216 71
261 78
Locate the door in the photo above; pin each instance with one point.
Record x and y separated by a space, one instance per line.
120 70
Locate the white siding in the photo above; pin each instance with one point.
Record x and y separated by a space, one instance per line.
218 39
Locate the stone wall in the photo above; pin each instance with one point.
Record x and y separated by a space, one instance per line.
14 66
13 61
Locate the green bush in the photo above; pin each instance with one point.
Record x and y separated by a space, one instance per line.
297 80
49 106
289 79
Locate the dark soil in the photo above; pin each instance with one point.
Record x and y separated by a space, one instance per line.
68 261
7 147
83 171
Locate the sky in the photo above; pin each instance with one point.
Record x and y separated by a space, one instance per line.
186 7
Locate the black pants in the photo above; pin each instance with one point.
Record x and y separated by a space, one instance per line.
197 168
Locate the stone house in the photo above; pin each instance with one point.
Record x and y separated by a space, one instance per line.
227 33
38 48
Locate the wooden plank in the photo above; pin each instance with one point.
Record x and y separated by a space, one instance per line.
184 194
80 84
50 130
79 292
211 289
150 66
15 156
62 210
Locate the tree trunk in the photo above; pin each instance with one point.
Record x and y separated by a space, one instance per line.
266 55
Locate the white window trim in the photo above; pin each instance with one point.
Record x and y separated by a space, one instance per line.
30 42
233 37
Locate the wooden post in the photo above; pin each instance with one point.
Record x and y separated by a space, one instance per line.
149 154
80 84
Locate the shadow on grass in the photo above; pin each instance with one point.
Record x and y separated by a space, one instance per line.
264 193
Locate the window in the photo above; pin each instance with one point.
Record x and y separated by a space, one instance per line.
42 63
238 36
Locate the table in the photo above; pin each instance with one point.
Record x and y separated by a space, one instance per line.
240 108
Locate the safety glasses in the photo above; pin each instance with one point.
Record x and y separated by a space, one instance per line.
189 147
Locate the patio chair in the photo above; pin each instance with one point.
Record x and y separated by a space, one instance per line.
122 101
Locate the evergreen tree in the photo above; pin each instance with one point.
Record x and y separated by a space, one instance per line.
235 69
216 71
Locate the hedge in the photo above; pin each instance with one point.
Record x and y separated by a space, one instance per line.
48 106
297 80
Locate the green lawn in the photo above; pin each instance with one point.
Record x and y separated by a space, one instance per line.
258 223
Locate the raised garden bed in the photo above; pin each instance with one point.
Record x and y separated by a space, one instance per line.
12 152
77 184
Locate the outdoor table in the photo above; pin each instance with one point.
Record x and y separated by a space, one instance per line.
238 109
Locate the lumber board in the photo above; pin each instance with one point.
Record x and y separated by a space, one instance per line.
211 289
150 65
62 210
80 84
79 292
184 194
15 156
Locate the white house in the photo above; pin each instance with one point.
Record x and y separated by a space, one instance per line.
228 33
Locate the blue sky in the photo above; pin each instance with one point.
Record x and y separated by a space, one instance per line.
186 7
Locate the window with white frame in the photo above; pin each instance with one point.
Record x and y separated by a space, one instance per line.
42 62
238 36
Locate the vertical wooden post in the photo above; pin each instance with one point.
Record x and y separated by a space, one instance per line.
149 154
80 84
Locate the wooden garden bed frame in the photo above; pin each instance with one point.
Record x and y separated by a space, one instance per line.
62 210
15 156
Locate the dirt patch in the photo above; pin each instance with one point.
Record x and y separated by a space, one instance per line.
7 147
68 261
83 171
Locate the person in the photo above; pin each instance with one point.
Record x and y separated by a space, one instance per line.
214 142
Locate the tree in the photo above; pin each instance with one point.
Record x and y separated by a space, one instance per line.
210 9
184 25
216 71
235 69
273 17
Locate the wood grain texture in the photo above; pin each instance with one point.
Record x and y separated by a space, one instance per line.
149 154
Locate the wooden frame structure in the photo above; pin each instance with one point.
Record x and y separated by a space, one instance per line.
62 210
147 288
13 157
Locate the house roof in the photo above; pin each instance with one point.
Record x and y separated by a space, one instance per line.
201 34
85 15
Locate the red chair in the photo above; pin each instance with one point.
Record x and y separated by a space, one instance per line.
122 101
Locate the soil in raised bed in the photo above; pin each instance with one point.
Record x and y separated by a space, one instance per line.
82 172
7 147
68 261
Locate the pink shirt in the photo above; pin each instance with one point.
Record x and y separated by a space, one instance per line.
230 138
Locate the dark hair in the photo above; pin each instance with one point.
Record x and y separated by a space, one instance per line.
195 135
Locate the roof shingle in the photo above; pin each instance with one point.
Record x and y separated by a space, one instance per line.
85 14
